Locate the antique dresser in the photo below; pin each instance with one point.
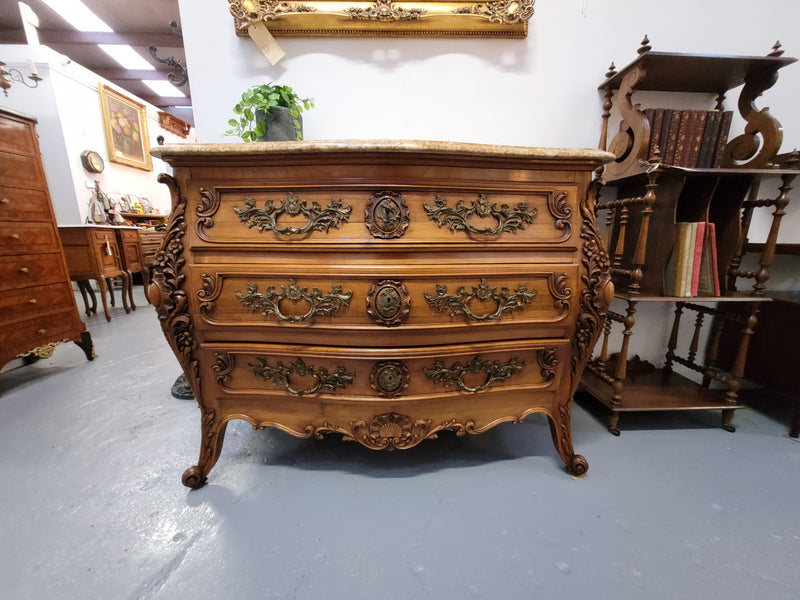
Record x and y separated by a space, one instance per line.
380 290
37 304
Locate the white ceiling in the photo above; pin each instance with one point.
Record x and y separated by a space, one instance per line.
139 23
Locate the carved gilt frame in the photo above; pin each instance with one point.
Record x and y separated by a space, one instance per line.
384 18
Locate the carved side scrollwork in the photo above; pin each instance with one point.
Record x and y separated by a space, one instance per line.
458 218
558 205
167 293
454 375
208 293
385 10
500 11
459 303
557 285
746 150
548 362
391 431
631 144
319 219
223 367
598 290
209 204
279 374
269 303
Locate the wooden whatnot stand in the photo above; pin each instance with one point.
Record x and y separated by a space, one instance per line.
380 290
640 229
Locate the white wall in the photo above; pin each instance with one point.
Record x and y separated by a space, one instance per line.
539 91
67 107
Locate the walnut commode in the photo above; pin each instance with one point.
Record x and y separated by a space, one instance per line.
381 290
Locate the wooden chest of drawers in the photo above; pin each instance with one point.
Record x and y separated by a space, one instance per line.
380 290
37 305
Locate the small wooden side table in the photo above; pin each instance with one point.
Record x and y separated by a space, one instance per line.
92 252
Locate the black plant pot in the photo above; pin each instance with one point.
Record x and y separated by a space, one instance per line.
280 124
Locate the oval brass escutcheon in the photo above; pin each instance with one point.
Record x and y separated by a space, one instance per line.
388 302
387 215
389 378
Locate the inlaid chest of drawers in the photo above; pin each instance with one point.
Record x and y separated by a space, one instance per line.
384 291
37 304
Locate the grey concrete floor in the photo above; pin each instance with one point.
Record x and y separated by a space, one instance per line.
91 455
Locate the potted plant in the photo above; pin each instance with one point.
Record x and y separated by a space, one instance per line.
269 113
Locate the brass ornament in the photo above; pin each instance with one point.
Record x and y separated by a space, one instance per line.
453 375
387 215
389 378
500 11
459 218
45 351
385 10
269 302
459 303
388 303
319 219
279 374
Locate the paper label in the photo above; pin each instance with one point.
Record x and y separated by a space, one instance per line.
264 40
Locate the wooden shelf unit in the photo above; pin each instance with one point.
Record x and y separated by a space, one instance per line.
641 203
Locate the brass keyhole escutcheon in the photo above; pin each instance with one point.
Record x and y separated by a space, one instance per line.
388 303
389 378
387 215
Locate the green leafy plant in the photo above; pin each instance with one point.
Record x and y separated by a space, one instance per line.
262 98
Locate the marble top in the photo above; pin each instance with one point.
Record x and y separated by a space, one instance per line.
410 146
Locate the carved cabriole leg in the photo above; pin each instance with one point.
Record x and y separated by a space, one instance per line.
168 295
213 435
101 283
86 292
561 432
126 286
130 290
768 254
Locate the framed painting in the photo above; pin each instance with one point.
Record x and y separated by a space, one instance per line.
125 124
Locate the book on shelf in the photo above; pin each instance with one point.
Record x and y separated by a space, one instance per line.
691 269
688 138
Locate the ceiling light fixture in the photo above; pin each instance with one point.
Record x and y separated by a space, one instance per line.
163 88
126 56
77 15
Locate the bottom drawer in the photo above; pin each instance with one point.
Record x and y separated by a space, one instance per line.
24 336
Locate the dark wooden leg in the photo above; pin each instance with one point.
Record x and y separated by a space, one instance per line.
82 284
146 282
727 418
210 448
110 284
130 290
795 430
561 431
87 345
126 290
613 420
101 283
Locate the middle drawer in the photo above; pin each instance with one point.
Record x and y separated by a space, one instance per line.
383 306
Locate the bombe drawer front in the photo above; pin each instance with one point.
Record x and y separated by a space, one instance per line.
383 305
307 374
505 217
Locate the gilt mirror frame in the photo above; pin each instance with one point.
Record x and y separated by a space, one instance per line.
384 18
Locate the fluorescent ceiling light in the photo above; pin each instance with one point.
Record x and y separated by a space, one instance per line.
126 56
163 88
77 15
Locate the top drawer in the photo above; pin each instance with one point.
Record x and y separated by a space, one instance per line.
21 171
17 135
538 215
18 204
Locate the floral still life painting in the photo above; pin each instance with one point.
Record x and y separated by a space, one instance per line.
126 129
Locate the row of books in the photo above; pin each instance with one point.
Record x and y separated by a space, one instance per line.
689 138
692 267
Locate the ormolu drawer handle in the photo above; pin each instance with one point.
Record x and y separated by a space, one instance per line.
42 331
319 219
270 301
24 270
494 371
459 218
14 236
5 201
279 374
458 304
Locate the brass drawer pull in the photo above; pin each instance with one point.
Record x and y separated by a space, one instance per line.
495 373
458 304
318 219
24 270
32 300
270 301
458 218
5 201
14 236
279 374
42 331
